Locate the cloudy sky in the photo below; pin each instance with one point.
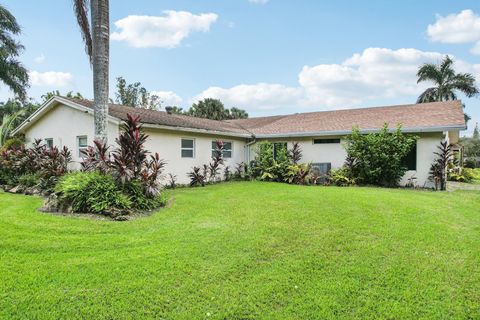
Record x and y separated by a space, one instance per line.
266 56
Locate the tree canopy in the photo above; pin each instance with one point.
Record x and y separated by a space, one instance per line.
214 109
135 95
12 71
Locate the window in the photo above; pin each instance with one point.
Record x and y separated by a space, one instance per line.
188 148
277 146
323 167
325 141
82 143
227 149
410 161
49 143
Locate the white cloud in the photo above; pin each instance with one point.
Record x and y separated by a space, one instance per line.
40 59
259 96
50 78
463 27
168 98
166 31
258 1
374 74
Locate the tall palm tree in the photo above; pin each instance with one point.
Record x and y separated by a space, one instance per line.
12 72
96 36
447 82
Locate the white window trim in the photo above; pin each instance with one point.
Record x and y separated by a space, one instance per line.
46 143
80 148
231 149
193 149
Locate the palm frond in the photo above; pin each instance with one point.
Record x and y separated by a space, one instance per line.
429 95
81 12
429 72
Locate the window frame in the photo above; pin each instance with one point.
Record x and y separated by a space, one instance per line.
214 142
192 148
326 140
46 141
81 148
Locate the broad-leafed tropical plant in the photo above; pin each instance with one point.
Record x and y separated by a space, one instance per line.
438 169
97 158
295 153
8 125
227 174
151 174
196 177
217 160
12 71
96 36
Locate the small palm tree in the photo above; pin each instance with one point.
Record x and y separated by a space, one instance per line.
447 82
96 38
12 72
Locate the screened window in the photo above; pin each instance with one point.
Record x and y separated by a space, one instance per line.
325 141
323 167
227 149
410 161
188 148
82 143
49 143
277 146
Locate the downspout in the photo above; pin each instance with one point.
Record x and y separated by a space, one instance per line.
247 160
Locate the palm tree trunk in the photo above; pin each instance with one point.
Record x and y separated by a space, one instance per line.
100 62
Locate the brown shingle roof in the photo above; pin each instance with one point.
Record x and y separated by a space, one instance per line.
435 115
413 117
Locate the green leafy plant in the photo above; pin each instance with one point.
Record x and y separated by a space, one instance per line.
377 158
91 192
341 177
298 173
438 169
196 177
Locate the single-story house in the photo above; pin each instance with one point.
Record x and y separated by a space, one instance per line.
185 141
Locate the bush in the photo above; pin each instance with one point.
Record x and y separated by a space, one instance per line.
461 174
379 156
298 173
470 163
139 200
341 177
91 192
29 180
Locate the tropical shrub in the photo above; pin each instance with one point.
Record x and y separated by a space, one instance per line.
134 190
378 157
197 178
295 153
130 162
91 192
438 169
341 177
172 181
227 175
29 180
298 173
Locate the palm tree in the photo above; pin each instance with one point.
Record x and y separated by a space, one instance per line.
8 124
96 38
447 82
12 72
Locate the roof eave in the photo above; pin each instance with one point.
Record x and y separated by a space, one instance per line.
196 130
347 132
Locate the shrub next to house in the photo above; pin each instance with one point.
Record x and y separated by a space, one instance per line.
378 158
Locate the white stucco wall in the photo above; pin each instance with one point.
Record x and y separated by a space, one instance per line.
168 146
335 154
64 124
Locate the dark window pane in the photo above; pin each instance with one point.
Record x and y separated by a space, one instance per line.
227 146
82 142
227 154
187 143
187 153
324 141
49 143
410 161
214 145
323 168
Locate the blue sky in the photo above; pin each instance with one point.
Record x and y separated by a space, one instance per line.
268 57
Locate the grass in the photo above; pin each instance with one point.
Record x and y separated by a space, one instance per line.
249 250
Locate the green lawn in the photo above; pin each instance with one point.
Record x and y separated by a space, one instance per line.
249 250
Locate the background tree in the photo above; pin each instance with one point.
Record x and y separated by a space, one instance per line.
12 72
236 113
476 133
135 95
214 109
55 93
97 40
174 110
446 82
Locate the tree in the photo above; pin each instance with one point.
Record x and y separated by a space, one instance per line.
97 41
23 109
236 113
447 82
174 110
12 72
476 134
214 109
135 95
70 94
